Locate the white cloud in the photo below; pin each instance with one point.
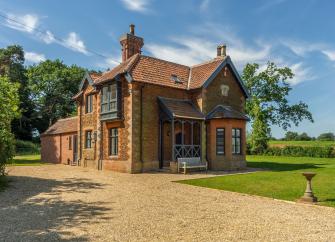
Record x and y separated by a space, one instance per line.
137 5
29 22
24 23
110 62
34 57
74 42
301 48
301 74
48 37
330 54
194 50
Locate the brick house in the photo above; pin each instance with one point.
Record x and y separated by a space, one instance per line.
147 112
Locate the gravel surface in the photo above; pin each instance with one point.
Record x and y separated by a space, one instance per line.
57 202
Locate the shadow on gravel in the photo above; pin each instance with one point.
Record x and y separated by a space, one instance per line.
24 217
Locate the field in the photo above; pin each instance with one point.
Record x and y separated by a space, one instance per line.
282 143
282 180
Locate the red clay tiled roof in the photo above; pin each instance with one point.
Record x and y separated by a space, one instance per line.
66 125
159 72
95 76
123 67
200 73
156 71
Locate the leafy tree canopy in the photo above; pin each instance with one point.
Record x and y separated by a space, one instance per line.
12 66
9 109
268 104
52 85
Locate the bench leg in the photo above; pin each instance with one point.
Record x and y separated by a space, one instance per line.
184 170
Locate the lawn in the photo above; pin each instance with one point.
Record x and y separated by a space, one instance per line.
282 143
27 160
283 180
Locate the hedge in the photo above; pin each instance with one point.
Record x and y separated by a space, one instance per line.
308 151
26 147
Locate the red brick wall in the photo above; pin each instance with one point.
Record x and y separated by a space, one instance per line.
212 94
55 148
228 160
50 148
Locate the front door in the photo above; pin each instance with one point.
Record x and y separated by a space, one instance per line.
75 150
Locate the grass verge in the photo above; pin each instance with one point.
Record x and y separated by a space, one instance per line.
27 160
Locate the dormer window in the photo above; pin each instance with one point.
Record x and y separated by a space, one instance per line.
176 79
109 98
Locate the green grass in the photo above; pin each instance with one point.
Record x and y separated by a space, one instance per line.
281 143
283 180
27 160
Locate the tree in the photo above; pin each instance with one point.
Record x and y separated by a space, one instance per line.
9 109
291 136
268 104
304 137
11 66
326 137
52 85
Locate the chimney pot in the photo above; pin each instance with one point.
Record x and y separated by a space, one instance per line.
221 50
132 29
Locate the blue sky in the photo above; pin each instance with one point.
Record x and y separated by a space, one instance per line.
298 34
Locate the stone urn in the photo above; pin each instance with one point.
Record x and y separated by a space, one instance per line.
308 196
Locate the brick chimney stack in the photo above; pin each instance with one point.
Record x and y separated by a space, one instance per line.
131 44
221 50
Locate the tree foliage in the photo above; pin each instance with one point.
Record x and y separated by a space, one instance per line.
9 109
268 104
326 137
52 85
12 66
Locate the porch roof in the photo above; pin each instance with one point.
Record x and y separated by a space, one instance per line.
221 111
180 108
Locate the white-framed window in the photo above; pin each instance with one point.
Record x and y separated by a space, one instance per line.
236 141
88 139
220 141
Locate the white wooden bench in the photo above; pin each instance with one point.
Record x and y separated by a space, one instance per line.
191 162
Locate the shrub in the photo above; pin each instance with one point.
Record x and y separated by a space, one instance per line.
26 147
309 151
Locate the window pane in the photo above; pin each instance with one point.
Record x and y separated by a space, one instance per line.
113 91
113 141
238 134
219 141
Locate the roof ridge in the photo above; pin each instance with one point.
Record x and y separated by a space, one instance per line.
132 63
63 119
174 63
209 61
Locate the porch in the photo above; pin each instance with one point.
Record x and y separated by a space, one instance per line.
180 125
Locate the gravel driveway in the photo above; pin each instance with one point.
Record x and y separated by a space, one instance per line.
57 202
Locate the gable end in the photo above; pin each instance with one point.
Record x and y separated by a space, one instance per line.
226 62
